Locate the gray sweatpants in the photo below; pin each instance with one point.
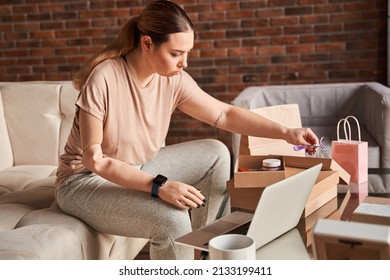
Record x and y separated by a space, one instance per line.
109 208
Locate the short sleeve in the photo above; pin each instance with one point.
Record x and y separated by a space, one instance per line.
93 96
187 88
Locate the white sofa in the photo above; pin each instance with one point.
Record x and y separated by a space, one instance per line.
321 106
35 119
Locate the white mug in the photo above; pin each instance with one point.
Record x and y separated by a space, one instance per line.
232 247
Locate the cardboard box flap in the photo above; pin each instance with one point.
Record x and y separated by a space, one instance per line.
254 162
344 175
274 146
247 172
327 164
285 114
290 171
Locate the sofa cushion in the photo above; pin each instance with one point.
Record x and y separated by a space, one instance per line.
94 245
20 177
38 115
16 255
41 241
87 239
38 198
7 159
11 214
35 120
319 105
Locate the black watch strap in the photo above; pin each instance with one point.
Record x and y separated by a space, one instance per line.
157 183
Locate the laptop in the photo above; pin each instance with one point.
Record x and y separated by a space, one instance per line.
288 246
279 209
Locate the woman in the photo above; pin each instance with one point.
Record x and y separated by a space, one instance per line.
115 175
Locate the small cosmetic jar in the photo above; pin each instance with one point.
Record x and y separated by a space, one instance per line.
271 164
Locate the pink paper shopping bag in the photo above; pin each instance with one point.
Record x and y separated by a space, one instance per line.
350 154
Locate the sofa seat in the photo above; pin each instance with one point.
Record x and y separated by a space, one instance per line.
35 120
48 233
40 242
23 177
11 214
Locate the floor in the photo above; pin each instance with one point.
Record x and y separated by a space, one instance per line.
144 253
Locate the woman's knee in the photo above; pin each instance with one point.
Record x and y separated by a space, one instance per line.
216 145
173 223
216 148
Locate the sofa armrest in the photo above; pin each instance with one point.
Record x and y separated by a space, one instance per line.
7 159
374 108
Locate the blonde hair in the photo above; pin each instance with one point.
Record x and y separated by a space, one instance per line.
158 20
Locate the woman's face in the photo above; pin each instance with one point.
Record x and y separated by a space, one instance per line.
171 57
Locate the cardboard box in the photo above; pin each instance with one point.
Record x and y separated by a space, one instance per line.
307 233
324 211
290 165
373 210
351 206
314 203
341 240
243 199
324 189
256 178
246 199
337 215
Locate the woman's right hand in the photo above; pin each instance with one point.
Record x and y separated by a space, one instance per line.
181 195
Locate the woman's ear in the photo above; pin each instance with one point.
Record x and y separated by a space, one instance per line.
146 43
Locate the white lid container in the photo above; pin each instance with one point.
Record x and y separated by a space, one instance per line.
271 162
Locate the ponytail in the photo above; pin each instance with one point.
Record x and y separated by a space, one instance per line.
126 40
158 20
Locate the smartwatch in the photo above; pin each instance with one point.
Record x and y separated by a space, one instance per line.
157 183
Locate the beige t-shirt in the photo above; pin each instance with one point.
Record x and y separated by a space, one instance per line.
135 119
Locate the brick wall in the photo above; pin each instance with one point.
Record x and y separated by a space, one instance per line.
238 43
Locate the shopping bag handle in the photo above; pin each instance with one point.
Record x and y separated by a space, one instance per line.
347 135
346 124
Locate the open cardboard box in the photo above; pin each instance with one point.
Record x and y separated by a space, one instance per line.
290 165
324 189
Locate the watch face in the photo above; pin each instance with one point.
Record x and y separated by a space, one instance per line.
160 180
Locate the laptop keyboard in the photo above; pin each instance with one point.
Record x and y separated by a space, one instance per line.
218 227
242 229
